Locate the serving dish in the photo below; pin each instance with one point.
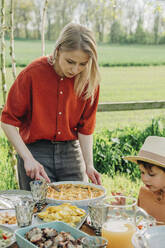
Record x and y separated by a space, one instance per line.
153 237
12 238
8 197
63 212
59 226
8 218
83 202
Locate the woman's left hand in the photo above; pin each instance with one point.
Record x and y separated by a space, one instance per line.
94 176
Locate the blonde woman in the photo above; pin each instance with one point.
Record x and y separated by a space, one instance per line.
53 104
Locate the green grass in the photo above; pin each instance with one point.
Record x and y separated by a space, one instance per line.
27 50
121 84
122 184
132 84
131 54
121 119
125 84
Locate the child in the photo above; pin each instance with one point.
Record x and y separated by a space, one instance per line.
151 161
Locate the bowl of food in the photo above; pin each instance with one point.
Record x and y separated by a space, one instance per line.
8 218
7 237
53 234
65 212
75 192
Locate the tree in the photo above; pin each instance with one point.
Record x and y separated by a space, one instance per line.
139 36
116 32
24 11
157 21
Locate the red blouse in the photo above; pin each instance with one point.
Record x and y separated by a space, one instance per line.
44 106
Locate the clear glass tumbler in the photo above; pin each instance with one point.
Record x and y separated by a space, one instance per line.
98 212
24 213
94 242
39 191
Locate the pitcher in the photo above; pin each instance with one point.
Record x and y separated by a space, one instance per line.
123 216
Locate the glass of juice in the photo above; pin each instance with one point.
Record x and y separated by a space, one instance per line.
121 221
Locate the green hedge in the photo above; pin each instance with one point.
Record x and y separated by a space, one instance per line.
111 146
109 149
7 173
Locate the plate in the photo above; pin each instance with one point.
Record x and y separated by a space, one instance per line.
13 195
59 226
12 239
10 212
84 202
77 225
154 237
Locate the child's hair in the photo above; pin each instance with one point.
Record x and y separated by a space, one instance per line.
78 37
148 166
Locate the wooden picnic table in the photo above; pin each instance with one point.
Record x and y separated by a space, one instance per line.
85 228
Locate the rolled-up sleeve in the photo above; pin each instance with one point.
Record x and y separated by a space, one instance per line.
88 119
17 105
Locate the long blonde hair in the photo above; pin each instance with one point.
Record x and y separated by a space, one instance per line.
77 37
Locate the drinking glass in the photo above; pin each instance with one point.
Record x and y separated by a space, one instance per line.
24 212
98 212
94 242
39 191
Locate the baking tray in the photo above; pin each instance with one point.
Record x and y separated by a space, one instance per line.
78 225
13 195
84 202
58 225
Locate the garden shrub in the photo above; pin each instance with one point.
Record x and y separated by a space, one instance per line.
111 146
109 149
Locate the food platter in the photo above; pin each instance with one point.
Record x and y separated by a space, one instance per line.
58 198
8 218
57 225
66 212
5 243
12 195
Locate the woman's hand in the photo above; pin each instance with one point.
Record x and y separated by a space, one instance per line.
34 169
94 175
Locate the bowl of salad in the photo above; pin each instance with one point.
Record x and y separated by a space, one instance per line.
7 237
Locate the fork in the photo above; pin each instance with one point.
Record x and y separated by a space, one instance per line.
50 184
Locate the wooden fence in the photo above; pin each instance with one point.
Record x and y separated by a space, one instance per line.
123 106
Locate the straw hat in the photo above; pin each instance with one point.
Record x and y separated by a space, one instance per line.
152 151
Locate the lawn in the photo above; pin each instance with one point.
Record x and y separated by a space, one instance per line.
27 50
125 84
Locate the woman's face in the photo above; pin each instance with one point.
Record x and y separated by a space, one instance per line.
154 179
71 63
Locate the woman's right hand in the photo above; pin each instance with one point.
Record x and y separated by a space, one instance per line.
34 169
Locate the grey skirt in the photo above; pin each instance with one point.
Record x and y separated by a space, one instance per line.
62 161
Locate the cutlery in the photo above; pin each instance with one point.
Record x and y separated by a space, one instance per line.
50 184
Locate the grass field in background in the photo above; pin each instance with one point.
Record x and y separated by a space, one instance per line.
121 84
28 50
125 84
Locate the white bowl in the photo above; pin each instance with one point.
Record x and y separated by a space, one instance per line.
84 202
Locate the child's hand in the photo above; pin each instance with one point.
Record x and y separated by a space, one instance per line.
119 200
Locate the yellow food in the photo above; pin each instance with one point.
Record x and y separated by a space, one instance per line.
74 192
65 212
